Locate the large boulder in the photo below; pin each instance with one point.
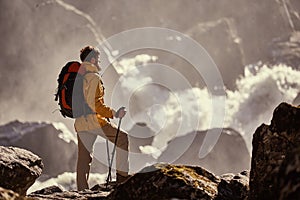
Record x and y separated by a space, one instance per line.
50 141
19 169
166 181
235 186
228 155
163 181
271 144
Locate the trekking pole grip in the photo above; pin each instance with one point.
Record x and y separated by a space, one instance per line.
119 110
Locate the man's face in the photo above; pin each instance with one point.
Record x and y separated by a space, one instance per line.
97 62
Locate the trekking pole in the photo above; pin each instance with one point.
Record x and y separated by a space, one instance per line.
113 154
107 149
108 157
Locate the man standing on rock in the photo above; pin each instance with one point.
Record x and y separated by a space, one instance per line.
89 126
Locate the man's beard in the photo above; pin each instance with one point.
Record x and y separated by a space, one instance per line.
98 66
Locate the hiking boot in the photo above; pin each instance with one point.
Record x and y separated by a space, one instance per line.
122 178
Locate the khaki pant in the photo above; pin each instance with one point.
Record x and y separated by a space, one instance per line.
86 140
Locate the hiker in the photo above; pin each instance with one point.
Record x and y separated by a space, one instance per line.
89 126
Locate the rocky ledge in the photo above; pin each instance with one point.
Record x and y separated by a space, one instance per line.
274 172
163 181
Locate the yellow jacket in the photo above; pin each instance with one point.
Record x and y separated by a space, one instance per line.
93 91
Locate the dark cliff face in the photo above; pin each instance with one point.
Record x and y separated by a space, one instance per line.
271 145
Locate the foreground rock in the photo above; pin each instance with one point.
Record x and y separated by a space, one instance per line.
166 181
19 169
50 141
235 186
8 195
271 145
163 181
54 192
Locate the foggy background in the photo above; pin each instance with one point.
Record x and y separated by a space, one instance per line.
39 37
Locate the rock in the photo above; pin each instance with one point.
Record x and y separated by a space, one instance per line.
48 190
50 141
166 181
162 181
286 121
79 195
9 195
229 155
270 147
289 176
234 186
19 169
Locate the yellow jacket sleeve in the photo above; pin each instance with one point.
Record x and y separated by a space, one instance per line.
94 95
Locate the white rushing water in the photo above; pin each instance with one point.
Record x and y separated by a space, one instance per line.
172 112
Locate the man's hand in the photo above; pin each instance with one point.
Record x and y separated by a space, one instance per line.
121 112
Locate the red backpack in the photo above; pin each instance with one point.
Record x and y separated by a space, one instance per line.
70 92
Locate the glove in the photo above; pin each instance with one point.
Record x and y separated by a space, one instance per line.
121 112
